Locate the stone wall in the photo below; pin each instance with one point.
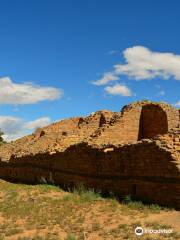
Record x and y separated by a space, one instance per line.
145 170
136 121
102 151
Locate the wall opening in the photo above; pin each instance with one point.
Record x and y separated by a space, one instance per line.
153 121
102 120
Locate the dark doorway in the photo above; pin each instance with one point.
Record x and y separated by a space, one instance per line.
153 121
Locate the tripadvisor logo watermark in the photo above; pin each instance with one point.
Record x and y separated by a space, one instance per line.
140 231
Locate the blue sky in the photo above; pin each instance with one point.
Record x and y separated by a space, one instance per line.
58 58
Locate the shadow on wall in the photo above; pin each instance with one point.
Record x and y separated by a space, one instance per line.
153 121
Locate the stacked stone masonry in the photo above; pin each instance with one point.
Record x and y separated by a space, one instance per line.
133 152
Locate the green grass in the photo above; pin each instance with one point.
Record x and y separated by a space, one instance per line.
140 206
144 207
81 195
71 237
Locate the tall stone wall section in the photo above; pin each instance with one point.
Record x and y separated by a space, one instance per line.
122 128
125 126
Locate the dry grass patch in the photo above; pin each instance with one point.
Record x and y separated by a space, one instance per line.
45 212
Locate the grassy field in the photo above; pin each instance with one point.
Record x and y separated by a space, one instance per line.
45 212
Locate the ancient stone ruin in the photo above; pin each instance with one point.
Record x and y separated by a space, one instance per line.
133 152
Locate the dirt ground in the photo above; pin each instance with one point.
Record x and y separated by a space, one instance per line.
45 212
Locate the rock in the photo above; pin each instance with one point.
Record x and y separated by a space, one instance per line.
108 150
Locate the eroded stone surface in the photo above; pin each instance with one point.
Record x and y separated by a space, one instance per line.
135 151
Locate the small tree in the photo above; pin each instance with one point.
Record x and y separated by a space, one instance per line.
1 138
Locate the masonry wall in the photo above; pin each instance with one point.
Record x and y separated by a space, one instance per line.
141 170
77 128
138 121
122 128
72 151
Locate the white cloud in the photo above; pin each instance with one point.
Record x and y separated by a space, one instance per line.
142 63
177 104
25 93
11 126
40 122
14 127
107 77
118 89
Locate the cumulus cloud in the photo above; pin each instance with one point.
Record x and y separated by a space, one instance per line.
25 93
14 127
141 63
118 89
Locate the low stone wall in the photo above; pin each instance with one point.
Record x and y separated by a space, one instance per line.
143 170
